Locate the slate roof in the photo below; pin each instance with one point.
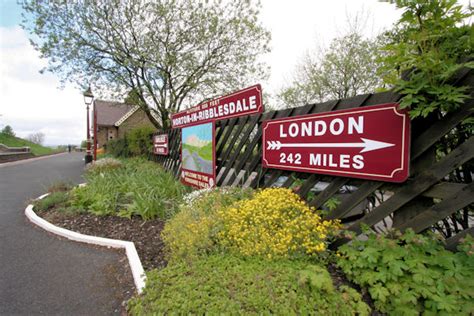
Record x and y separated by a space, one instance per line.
109 112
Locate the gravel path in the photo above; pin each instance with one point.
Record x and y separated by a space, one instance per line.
41 274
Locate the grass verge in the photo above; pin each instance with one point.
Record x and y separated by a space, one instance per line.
36 149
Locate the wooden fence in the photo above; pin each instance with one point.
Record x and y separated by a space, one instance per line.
439 193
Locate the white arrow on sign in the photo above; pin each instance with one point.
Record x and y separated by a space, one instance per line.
161 145
366 145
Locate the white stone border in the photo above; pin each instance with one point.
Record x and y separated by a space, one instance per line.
132 255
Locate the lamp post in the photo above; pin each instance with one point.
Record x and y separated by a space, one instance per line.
88 98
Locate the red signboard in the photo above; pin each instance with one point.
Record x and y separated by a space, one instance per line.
244 102
160 144
368 143
198 155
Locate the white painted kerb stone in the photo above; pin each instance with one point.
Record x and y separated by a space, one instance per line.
132 255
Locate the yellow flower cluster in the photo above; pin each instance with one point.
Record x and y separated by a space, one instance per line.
274 223
188 234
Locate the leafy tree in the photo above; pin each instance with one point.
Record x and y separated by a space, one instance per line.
428 45
170 53
347 68
37 138
8 130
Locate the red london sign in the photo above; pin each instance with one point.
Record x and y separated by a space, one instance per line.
368 143
160 144
244 102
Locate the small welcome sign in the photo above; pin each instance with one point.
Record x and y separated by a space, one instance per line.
198 156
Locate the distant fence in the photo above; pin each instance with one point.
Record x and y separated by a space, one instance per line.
439 193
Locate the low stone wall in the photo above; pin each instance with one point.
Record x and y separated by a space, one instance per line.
14 156
6 149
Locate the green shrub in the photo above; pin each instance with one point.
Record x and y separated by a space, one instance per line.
139 140
412 274
228 285
192 231
118 148
139 187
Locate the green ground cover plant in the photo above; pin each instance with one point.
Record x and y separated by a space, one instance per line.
59 198
131 187
223 284
54 199
412 274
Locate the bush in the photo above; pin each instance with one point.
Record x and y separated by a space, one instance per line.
139 141
229 285
139 187
118 148
192 231
270 223
275 223
412 274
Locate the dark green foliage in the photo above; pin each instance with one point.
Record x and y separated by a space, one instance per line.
139 141
228 285
428 46
118 148
412 274
8 130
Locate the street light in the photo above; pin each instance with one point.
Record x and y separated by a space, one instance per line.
88 98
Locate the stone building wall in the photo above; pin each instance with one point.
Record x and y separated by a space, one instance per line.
137 119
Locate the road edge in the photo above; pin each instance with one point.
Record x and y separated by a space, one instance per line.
136 266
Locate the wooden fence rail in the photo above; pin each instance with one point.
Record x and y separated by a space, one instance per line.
430 195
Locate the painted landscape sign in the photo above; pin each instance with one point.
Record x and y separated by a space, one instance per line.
198 163
160 144
244 102
368 143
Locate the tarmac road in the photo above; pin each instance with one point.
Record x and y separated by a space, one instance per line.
41 274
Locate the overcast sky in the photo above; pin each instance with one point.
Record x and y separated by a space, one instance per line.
31 102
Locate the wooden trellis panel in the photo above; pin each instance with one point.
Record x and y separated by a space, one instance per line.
239 152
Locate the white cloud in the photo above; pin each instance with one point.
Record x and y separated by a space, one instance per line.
31 102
